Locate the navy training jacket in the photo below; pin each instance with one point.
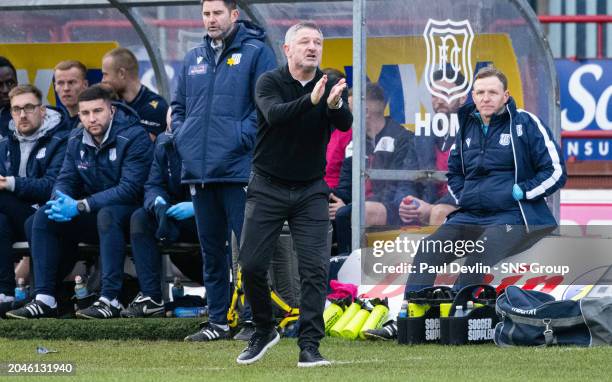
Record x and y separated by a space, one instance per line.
519 149
44 162
214 119
113 173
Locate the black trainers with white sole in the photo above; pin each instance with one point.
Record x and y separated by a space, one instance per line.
310 357
257 347
143 306
246 332
99 310
33 309
209 332
386 333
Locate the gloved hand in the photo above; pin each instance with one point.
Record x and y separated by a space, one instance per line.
159 200
181 211
517 193
62 209
167 229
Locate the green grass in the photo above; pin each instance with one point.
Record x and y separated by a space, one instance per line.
138 360
94 330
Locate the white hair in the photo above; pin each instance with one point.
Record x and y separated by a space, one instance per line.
301 25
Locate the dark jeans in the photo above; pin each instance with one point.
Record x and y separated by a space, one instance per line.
498 241
108 227
146 255
218 206
13 214
305 208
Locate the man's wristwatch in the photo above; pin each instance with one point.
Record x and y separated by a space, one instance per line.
81 206
338 105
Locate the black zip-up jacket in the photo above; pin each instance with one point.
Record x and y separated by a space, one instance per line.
293 133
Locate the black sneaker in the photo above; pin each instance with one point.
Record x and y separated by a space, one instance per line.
246 332
99 310
310 357
386 333
209 332
143 306
257 347
33 309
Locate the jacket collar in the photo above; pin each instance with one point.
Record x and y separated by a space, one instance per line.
50 123
501 116
233 40
89 140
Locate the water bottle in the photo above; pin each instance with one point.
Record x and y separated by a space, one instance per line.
469 307
403 313
459 311
190 312
409 199
80 288
21 290
177 289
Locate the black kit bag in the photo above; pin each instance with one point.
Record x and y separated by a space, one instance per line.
532 318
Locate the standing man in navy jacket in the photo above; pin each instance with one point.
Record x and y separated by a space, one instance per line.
504 162
30 159
214 123
99 187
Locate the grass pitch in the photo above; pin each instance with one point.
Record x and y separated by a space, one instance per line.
142 360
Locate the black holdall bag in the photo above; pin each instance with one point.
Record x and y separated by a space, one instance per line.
472 317
426 327
532 318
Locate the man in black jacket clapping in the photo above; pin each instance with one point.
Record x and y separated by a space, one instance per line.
296 107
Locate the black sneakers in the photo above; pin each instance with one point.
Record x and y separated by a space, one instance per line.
143 306
310 357
257 347
246 332
386 333
33 309
209 332
99 310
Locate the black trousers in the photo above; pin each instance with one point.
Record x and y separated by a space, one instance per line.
147 259
497 241
305 208
13 214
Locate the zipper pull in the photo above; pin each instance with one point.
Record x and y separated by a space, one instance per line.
548 333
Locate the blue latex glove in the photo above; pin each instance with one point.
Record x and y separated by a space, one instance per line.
159 200
517 193
181 211
62 209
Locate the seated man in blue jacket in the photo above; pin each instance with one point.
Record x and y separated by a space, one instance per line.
167 216
389 146
99 187
30 159
504 162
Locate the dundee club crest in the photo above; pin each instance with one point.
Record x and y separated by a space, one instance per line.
449 45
